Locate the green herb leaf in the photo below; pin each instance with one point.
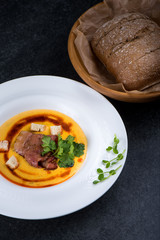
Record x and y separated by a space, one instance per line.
101 177
78 149
116 141
104 161
52 145
108 164
48 145
46 140
99 170
95 181
58 152
45 150
109 148
112 172
71 151
120 156
115 150
70 139
66 161
113 163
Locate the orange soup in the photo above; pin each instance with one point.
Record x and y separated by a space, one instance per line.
26 175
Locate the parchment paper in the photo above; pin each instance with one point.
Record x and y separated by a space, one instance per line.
97 16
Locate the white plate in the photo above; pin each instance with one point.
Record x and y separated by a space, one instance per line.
99 121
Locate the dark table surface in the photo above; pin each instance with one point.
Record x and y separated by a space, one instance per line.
33 41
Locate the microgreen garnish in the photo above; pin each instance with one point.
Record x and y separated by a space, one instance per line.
65 150
114 148
105 175
113 161
102 175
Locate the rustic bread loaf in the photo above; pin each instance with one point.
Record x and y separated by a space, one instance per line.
129 47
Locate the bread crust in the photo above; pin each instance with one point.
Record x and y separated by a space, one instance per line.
129 46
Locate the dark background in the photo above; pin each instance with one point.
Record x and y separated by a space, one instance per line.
33 41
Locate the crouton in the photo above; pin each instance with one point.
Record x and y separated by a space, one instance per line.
55 130
12 163
4 145
37 127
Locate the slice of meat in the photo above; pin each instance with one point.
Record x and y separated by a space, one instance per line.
29 146
49 164
21 140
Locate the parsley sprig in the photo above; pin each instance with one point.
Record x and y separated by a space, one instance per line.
65 150
48 145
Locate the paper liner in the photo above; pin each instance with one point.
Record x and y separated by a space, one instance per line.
96 16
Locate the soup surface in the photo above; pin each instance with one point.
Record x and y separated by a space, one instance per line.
26 175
